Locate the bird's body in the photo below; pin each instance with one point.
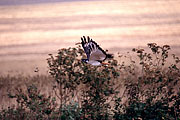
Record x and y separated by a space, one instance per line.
92 62
95 54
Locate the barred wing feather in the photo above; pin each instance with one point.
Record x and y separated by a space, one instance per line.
92 50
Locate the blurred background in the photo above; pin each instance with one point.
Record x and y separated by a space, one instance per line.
31 29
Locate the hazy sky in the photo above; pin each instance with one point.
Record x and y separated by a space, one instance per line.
29 31
20 2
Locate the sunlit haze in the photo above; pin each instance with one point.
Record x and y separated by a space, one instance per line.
28 32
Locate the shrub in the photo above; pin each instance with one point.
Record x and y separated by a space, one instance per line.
31 104
153 93
98 81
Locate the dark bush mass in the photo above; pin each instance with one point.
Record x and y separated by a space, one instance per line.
145 88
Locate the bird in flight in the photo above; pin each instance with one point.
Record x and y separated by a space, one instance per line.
95 54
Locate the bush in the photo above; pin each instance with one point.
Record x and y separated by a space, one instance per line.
31 104
154 92
70 73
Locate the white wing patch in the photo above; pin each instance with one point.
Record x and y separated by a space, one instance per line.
95 63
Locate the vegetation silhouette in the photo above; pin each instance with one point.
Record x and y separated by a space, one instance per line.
147 87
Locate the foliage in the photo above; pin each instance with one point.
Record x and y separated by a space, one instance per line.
30 105
70 73
71 111
154 93
146 88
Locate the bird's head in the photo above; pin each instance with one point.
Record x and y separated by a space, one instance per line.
85 60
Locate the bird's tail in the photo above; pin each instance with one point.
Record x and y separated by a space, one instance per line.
110 56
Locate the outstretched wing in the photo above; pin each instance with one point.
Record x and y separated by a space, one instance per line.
93 50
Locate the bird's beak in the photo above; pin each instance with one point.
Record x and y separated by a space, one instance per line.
103 63
78 43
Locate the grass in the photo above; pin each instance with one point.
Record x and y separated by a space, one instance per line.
9 84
